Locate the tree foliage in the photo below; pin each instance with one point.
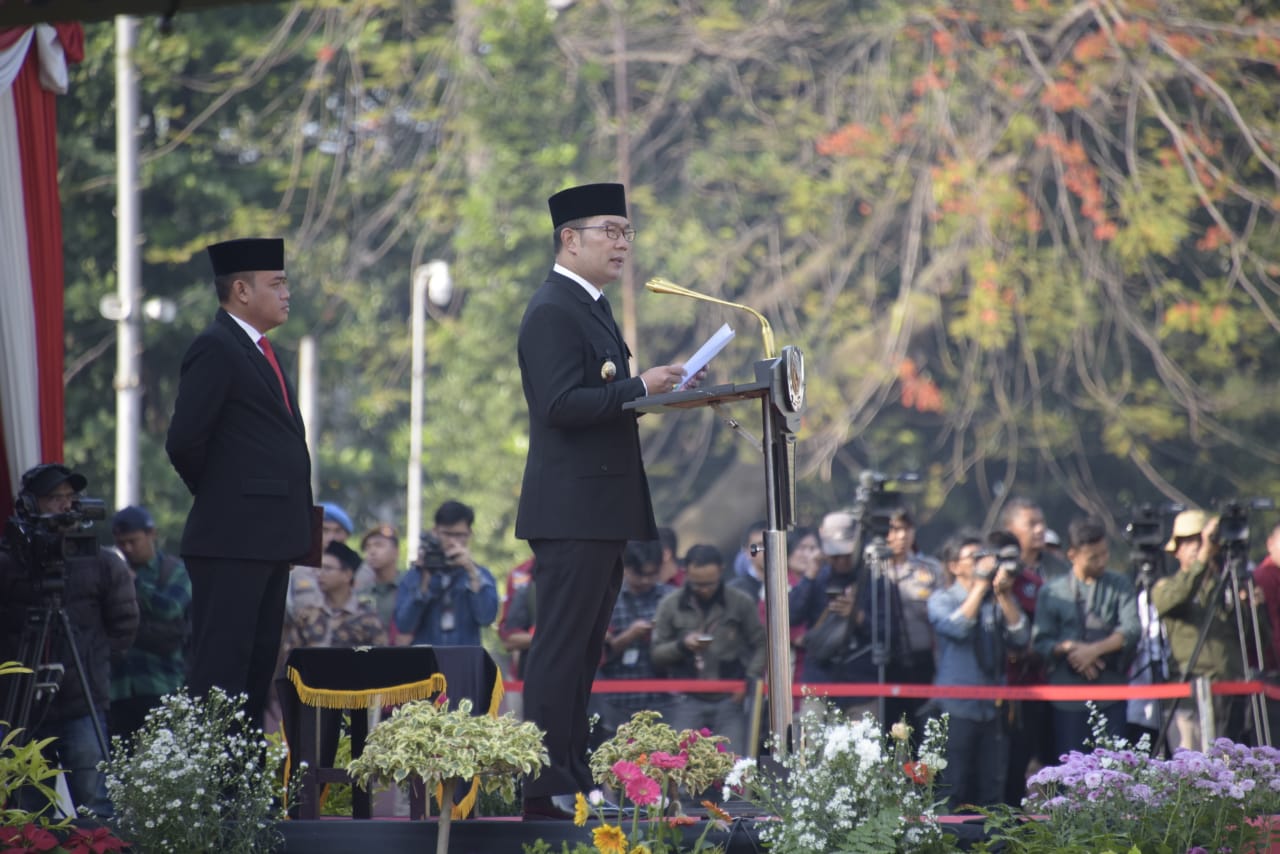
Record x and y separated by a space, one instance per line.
1026 246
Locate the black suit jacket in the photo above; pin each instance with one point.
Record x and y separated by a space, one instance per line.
584 478
240 452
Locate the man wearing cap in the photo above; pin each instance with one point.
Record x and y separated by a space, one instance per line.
238 442
584 492
832 602
156 663
1183 601
95 590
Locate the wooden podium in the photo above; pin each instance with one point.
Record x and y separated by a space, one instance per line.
779 386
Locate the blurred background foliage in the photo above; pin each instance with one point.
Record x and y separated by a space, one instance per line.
1027 247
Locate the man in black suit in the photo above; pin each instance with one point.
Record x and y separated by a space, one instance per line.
584 492
237 441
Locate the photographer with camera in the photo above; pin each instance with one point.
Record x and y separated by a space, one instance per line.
1086 629
831 601
52 579
446 598
1184 601
975 620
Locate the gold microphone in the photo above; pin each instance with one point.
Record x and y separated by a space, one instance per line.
662 286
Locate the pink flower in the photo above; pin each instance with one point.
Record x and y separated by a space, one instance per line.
643 791
626 771
658 759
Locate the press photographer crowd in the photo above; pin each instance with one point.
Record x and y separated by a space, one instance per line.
1018 605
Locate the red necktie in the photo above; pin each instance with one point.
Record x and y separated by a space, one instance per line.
275 366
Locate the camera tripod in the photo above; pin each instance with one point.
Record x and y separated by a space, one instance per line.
1153 647
1229 583
882 594
45 626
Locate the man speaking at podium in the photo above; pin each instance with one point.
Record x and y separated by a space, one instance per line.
584 492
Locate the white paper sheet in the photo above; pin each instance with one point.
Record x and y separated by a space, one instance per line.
708 351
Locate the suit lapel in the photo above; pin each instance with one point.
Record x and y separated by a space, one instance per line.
575 293
263 369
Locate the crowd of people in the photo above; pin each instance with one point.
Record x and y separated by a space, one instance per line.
1006 608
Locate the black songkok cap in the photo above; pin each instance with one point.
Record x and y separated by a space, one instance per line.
247 255
587 200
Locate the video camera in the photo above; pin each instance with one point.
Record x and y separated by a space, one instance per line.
1233 522
873 508
431 555
43 543
874 503
1146 537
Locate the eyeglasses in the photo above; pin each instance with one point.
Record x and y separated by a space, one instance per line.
613 232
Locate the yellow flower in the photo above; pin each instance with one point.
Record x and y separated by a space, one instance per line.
609 839
579 809
640 849
900 731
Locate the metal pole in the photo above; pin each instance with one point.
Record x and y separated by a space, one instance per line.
129 266
776 595
307 403
413 496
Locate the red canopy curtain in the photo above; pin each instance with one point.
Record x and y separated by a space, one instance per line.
33 71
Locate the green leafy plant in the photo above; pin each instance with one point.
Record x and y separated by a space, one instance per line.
441 747
197 778
851 787
23 765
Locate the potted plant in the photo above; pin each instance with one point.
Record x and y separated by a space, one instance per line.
194 778
23 765
426 740
850 786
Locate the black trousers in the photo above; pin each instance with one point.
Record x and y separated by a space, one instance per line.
577 583
237 616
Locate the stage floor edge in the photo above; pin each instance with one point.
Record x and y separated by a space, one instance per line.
503 835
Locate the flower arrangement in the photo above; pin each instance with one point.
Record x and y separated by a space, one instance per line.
686 759
1120 797
851 787
647 763
196 777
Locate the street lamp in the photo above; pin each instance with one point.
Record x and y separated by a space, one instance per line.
430 281
128 313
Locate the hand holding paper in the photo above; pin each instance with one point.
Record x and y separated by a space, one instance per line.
708 351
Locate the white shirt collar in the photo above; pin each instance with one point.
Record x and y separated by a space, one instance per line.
591 289
254 335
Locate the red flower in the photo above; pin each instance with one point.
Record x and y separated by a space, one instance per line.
96 841
918 772
26 839
681 820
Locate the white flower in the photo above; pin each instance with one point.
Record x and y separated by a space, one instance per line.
596 798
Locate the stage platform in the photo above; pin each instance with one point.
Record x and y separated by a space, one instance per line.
510 835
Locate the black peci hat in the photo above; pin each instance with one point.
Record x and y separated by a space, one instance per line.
587 200
247 255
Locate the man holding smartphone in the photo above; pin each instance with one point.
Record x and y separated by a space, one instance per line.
708 630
